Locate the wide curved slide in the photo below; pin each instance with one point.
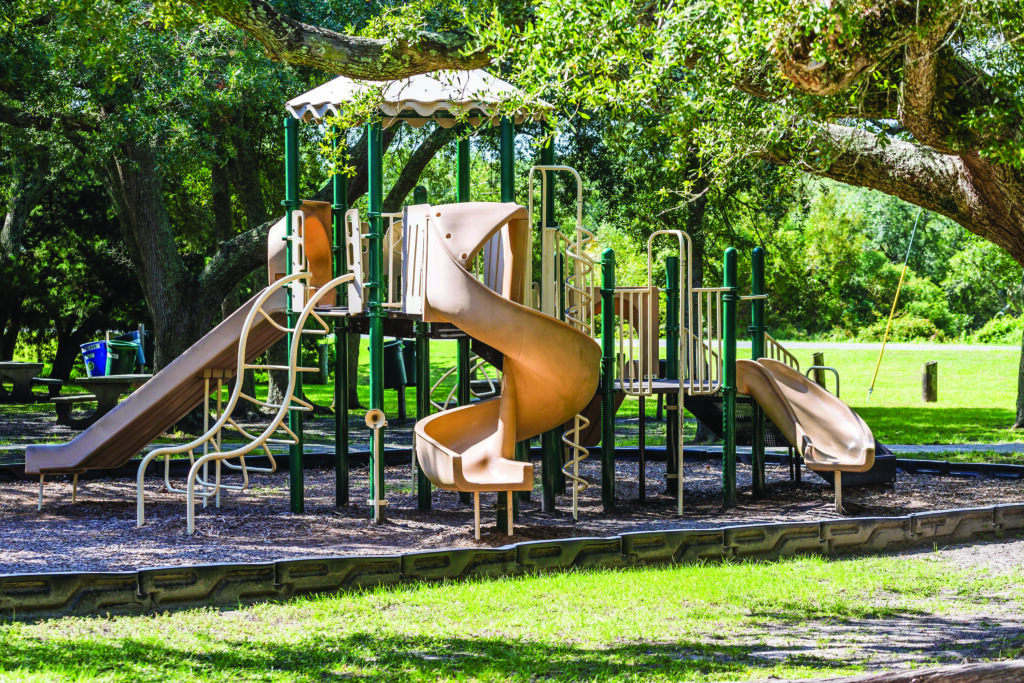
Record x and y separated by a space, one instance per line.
550 369
826 431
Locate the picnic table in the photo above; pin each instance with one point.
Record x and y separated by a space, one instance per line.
105 390
22 377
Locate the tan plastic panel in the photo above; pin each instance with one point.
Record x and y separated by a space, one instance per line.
824 429
550 369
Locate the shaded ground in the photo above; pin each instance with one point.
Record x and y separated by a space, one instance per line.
98 532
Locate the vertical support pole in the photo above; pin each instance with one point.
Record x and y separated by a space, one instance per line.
375 313
423 501
729 299
339 205
291 202
507 160
422 405
608 380
757 351
462 373
672 415
818 358
550 441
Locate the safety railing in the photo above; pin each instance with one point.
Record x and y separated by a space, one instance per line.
776 351
635 329
703 367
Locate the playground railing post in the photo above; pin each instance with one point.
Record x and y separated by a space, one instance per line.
462 373
729 299
672 416
291 202
608 380
375 312
339 205
757 351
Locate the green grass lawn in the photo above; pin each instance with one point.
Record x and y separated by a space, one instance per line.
715 622
977 392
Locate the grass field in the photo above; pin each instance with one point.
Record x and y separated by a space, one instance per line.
716 622
977 392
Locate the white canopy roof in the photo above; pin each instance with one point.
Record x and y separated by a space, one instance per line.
441 96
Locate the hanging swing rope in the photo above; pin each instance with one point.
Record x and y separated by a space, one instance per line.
895 299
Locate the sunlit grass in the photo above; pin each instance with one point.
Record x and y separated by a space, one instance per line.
715 622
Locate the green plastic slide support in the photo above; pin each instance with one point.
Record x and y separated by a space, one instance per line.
608 380
671 372
339 205
296 492
729 300
375 312
756 352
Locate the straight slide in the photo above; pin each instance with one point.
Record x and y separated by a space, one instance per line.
826 431
550 369
152 409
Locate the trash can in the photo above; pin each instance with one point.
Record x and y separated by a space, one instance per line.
140 356
409 359
121 357
394 366
95 356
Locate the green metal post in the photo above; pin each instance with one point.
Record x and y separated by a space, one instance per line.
462 372
757 351
672 415
550 441
375 312
729 300
608 380
507 159
291 202
423 502
422 404
339 185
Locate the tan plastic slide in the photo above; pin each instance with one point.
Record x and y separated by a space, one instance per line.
178 388
826 431
550 369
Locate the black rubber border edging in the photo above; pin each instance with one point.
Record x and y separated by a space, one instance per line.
398 456
34 596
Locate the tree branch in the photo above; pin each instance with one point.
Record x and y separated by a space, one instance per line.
410 175
903 169
288 40
881 30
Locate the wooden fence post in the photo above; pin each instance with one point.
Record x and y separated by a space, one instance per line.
930 382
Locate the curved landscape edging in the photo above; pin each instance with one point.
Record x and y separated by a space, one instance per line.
33 596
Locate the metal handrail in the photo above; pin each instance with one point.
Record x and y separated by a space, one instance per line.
824 367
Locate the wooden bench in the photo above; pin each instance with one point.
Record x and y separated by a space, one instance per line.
64 404
53 387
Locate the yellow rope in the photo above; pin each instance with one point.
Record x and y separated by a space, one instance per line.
892 312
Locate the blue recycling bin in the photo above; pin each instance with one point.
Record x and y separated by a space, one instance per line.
95 356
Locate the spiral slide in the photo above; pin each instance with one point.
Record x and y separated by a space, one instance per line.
550 369
826 431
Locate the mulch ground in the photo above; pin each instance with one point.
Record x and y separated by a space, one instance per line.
98 532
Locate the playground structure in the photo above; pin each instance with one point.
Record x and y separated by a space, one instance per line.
462 271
